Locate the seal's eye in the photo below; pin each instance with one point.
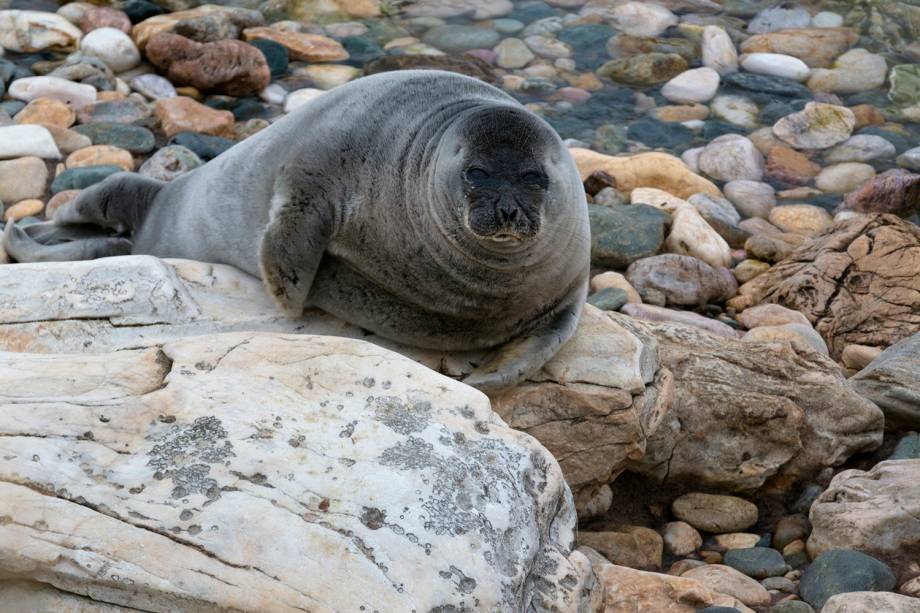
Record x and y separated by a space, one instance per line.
532 179
476 175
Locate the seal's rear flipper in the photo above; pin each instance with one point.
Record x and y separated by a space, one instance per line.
45 242
120 202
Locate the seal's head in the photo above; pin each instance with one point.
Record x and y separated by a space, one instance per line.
502 175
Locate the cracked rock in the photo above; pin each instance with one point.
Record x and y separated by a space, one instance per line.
254 472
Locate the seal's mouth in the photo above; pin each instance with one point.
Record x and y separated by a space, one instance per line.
505 237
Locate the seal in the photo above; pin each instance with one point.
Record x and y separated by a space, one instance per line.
427 207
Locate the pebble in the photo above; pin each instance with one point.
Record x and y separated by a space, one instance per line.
876 602
861 148
300 97
46 111
790 167
104 17
548 47
714 513
101 155
727 580
856 357
76 95
773 248
27 140
826 19
612 279
680 112
756 562
682 280
135 139
691 235
113 47
513 53
792 606
620 235
129 110
770 315
67 141
153 86
739 110
183 114
22 179
460 38
718 50
610 299
229 67
843 178
736 540
817 126
751 198
643 19
697 85
329 76
817 48
855 71
894 191
749 269
910 159
802 337
780 584
632 546
732 157
81 178
644 69
681 538
839 571
30 31
170 162
204 146
58 200
773 19
804 219
305 47
650 312
777 65
22 209
276 55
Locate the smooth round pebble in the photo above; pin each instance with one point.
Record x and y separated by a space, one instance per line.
843 178
300 97
842 570
113 47
170 162
776 65
806 219
714 513
153 86
697 85
22 209
756 562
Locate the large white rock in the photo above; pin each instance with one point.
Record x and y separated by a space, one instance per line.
102 305
30 31
77 95
255 472
875 511
697 85
113 47
719 51
26 140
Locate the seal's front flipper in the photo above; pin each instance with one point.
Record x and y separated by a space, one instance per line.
292 246
46 243
524 356
120 202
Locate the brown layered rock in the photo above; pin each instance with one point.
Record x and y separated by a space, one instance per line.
896 191
857 283
747 412
817 47
229 67
300 46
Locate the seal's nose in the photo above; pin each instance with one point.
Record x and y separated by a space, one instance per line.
507 214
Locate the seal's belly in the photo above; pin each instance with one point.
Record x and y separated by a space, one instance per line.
342 291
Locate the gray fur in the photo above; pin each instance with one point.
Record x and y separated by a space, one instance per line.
357 203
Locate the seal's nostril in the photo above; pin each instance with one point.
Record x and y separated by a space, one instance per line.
507 214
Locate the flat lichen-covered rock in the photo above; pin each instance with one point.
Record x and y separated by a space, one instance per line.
257 472
592 406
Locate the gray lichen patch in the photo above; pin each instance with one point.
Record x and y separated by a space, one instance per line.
184 455
401 415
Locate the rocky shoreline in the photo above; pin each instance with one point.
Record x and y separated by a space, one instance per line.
733 427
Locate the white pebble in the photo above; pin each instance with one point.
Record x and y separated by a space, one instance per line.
27 140
113 47
273 94
300 97
826 19
77 95
697 85
777 65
